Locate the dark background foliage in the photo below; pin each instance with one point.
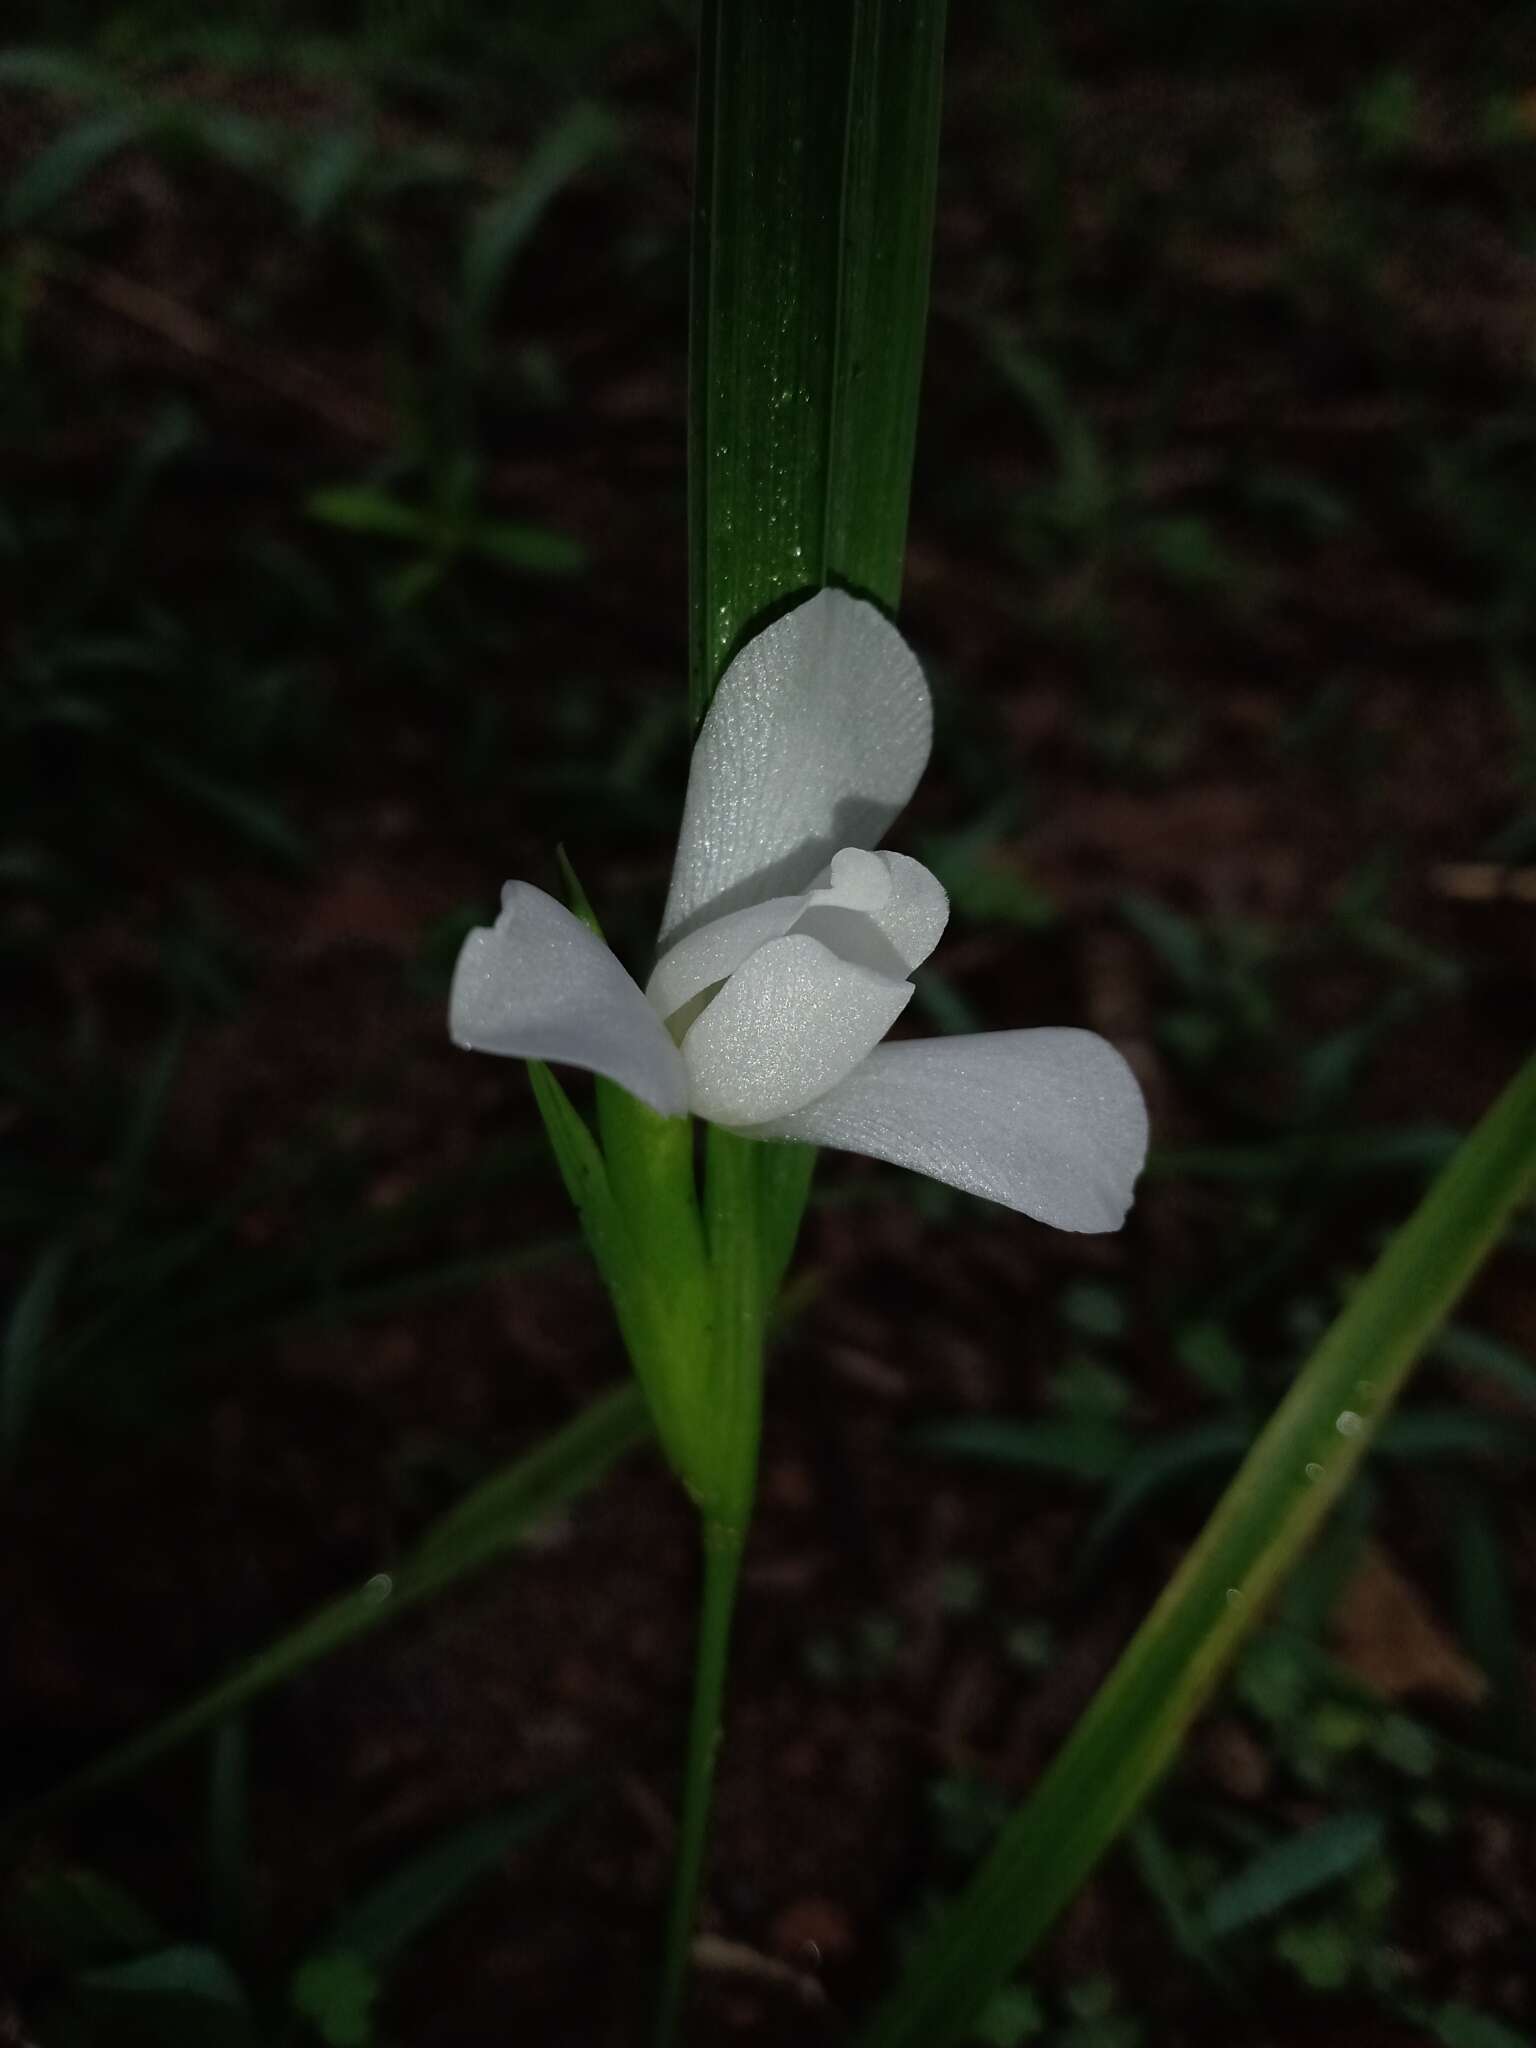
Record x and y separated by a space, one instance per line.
341 388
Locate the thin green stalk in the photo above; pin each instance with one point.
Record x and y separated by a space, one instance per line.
722 1572
732 1216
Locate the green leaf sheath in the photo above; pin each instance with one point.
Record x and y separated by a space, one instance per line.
651 1174
659 1324
1268 1515
736 1253
784 1186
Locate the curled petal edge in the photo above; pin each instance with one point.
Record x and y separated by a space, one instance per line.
539 985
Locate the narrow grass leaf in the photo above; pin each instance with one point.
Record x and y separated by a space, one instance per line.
1346 1156
534 550
1301 1463
57 172
250 817
503 227
25 1346
1084 1448
1163 1878
1481 1356
358 508
1292 1869
1188 1456
148 1109
498 1513
491 1521
177 1998
335 1993
387 1919
1428 1434
229 1832
71 1917
328 172
54 71
1463 2026
1489 1627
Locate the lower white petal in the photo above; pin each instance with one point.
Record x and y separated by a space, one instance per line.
855 883
716 950
1050 1122
789 1024
538 985
883 911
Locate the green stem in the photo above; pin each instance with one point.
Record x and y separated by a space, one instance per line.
732 1217
722 1572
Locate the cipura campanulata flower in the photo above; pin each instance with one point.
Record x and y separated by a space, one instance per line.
787 948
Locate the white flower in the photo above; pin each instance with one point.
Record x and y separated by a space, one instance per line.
787 945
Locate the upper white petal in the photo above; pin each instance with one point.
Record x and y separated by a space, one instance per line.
789 1024
1049 1122
539 985
816 737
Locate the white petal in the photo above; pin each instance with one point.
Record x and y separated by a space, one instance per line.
538 985
1050 1122
894 937
816 737
789 1024
856 882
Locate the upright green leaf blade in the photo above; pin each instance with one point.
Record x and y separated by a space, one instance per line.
1268 1515
818 142
890 172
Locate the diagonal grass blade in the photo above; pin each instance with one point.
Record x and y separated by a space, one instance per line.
486 1524
1268 1515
